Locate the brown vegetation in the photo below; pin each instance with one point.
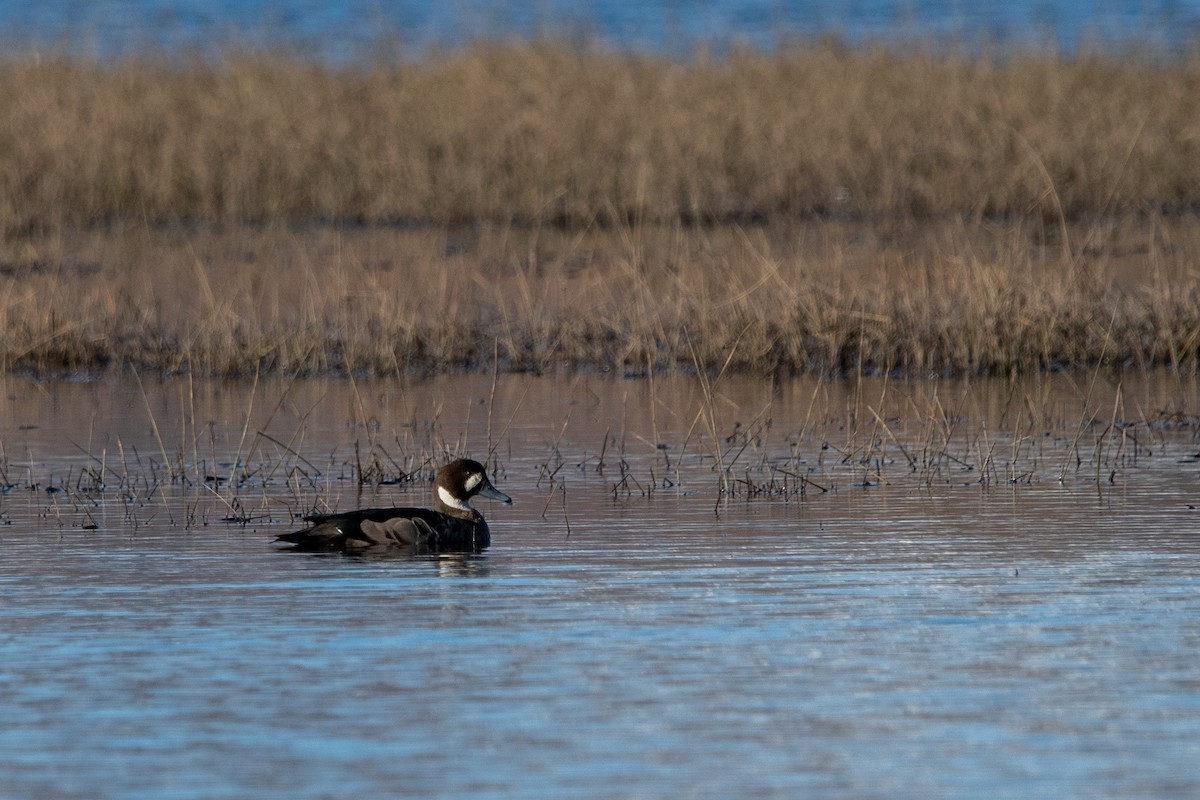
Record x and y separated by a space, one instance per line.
545 132
816 296
817 209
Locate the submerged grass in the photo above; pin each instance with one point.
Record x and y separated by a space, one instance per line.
249 474
729 441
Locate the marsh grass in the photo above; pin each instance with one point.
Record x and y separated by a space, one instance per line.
254 472
578 134
915 437
531 206
826 297
250 472
915 442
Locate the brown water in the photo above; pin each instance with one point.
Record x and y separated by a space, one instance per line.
996 595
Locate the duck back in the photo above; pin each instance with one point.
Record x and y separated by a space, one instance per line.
420 529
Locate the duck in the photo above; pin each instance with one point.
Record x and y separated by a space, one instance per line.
452 526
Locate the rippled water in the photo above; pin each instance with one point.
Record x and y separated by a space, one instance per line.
928 632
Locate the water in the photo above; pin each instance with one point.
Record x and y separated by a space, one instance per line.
944 634
353 29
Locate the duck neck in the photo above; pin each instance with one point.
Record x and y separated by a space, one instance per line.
449 504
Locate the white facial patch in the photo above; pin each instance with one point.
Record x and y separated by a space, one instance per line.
473 481
451 500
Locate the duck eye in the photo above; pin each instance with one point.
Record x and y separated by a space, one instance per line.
473 480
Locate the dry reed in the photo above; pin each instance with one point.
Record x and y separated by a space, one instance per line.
831 298
863 211
542 132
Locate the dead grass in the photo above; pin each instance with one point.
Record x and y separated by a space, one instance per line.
538 205
548 132
825 297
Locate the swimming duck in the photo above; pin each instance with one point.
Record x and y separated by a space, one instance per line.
452 526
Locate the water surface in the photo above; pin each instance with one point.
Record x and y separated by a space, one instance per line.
963 628
355 29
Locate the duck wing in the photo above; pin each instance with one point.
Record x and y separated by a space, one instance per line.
415 528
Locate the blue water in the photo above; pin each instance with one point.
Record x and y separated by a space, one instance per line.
355 29
661 657
914 639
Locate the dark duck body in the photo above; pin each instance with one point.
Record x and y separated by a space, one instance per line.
453 526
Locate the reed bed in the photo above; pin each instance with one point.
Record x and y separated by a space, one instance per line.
552 132
531 206
837 298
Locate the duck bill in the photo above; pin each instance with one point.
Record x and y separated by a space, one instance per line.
493 493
